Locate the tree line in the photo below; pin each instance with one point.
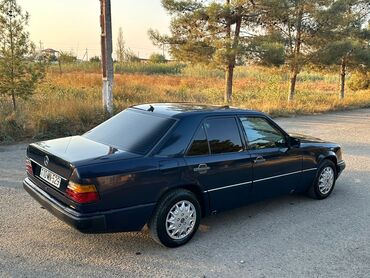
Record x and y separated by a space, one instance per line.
221 33
293 33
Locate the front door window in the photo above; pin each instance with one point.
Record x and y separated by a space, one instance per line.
261 134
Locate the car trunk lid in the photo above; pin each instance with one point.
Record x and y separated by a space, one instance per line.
60 159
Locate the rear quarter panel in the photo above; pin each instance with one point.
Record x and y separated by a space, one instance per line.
133 182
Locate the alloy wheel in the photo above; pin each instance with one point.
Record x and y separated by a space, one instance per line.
180 220
326 180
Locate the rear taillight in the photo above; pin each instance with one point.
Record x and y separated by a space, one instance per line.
82 193
29 169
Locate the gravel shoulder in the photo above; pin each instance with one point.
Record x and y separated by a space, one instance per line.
291 236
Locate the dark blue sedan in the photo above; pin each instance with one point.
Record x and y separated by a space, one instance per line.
168 165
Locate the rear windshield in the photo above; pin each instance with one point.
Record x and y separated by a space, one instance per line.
132 131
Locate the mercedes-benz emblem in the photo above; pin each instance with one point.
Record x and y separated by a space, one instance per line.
46 160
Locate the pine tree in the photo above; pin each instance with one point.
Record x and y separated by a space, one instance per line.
298 23
20 68
345 41
210 32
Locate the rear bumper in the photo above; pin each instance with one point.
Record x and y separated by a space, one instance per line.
120 220
341 166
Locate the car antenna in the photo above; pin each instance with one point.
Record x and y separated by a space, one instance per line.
151 108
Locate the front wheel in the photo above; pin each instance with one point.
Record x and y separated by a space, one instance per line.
176 218
324 182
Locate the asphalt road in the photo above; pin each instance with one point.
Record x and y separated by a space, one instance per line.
291 236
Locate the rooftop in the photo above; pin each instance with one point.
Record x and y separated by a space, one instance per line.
172 109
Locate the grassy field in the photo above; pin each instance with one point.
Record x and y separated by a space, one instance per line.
70 103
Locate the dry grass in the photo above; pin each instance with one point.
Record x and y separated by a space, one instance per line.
70 103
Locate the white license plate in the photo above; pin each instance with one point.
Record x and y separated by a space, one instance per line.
50 177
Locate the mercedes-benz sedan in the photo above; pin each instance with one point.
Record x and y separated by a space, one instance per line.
168 165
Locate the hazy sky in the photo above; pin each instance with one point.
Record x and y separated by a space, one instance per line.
73 25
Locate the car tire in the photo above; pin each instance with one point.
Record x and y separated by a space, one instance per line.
324 181
176 218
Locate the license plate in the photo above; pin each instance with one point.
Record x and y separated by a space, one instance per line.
50 177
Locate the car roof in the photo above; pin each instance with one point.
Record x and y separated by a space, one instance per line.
184 109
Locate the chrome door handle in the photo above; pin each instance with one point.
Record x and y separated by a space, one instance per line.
202 168
259 159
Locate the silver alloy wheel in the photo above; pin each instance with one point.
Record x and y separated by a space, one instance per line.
180 220
326 180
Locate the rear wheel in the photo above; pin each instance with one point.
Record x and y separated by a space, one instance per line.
176 218
324 182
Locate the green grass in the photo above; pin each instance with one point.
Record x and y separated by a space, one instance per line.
126 68
148 68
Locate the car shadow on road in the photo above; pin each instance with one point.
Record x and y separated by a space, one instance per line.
253 221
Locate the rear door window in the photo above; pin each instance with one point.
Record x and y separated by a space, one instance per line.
223 135
199 146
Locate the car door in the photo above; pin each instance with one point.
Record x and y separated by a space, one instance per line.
218 162
277 168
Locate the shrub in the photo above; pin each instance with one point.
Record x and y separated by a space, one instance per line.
359 81
156 58
67 57
95 59
141 68
10 129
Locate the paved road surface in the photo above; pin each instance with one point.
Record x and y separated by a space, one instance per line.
291 236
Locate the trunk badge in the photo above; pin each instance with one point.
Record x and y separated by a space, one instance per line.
46 160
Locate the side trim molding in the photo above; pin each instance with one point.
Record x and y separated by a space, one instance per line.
259 180
278 176
228 186
308 170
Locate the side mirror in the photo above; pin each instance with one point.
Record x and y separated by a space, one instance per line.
294 142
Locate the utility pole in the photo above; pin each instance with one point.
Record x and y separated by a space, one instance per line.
86 55
106 54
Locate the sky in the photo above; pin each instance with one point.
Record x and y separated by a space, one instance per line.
73 25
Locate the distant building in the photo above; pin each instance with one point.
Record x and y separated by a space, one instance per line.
50 51
52 54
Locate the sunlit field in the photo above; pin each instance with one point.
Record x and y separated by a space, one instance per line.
70 103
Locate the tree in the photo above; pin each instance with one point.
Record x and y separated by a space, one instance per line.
123 53
20 69
267 49
210 32
120 47
157 58
131 56
346 43
347 53
66 57
299 22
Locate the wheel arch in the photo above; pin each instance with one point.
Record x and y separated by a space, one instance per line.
327 154
333 158
196 190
